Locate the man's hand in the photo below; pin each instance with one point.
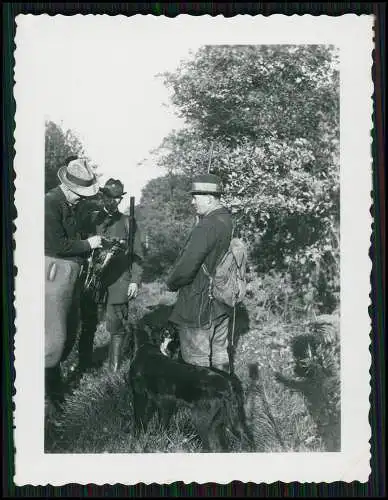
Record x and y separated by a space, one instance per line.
95 242
133 290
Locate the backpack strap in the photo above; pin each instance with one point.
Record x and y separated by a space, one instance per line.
205 269
210 288
223 222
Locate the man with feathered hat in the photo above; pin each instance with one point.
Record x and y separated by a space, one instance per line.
65 253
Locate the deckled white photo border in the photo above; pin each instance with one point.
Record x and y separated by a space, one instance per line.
354 36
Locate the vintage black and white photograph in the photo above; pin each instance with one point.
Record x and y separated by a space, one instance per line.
193 238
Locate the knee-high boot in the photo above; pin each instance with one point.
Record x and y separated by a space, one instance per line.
115 351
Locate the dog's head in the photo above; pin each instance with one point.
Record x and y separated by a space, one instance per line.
165 338
169 342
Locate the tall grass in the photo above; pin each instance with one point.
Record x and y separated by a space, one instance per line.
97 417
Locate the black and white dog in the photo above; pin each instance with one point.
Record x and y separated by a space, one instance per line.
161 382
169 343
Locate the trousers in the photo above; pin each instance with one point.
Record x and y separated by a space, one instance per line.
206 346
61 308
115 315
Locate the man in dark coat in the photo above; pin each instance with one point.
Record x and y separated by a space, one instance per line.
124 280
203 322
65 253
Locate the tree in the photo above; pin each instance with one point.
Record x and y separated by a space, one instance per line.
165 217
60 147
272 114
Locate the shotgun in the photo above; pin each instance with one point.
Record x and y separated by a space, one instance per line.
131 230
210 157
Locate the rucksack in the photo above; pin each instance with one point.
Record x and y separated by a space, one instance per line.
228 283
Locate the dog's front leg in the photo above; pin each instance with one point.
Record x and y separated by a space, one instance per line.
201 423
143 411
210 420
166 410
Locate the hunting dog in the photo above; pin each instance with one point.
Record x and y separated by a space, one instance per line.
316 366
164 385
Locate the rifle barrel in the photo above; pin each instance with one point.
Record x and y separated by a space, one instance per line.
210 157
132 206
131 236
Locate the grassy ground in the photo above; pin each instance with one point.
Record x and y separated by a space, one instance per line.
97 416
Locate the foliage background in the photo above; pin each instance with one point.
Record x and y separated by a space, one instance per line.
267 118
164 214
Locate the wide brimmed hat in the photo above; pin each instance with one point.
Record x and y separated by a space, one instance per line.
206 184
113 188
79 178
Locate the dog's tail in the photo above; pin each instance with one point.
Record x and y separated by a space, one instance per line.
260 411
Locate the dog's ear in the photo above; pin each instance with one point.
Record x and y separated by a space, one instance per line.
168 332
164 333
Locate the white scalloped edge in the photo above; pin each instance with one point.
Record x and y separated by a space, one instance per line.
354 36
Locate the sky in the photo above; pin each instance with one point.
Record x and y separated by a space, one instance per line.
96 75
100 81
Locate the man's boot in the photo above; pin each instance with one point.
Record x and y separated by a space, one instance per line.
115 352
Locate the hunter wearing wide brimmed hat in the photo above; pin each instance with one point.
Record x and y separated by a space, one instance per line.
65 253
121 283
203 323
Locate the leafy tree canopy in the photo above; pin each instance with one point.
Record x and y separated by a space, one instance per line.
269 115
165 217
61 146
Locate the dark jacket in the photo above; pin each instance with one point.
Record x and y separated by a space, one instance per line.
208 242
61 236
122 270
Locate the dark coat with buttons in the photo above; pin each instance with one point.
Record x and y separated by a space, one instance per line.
207 243
61 238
